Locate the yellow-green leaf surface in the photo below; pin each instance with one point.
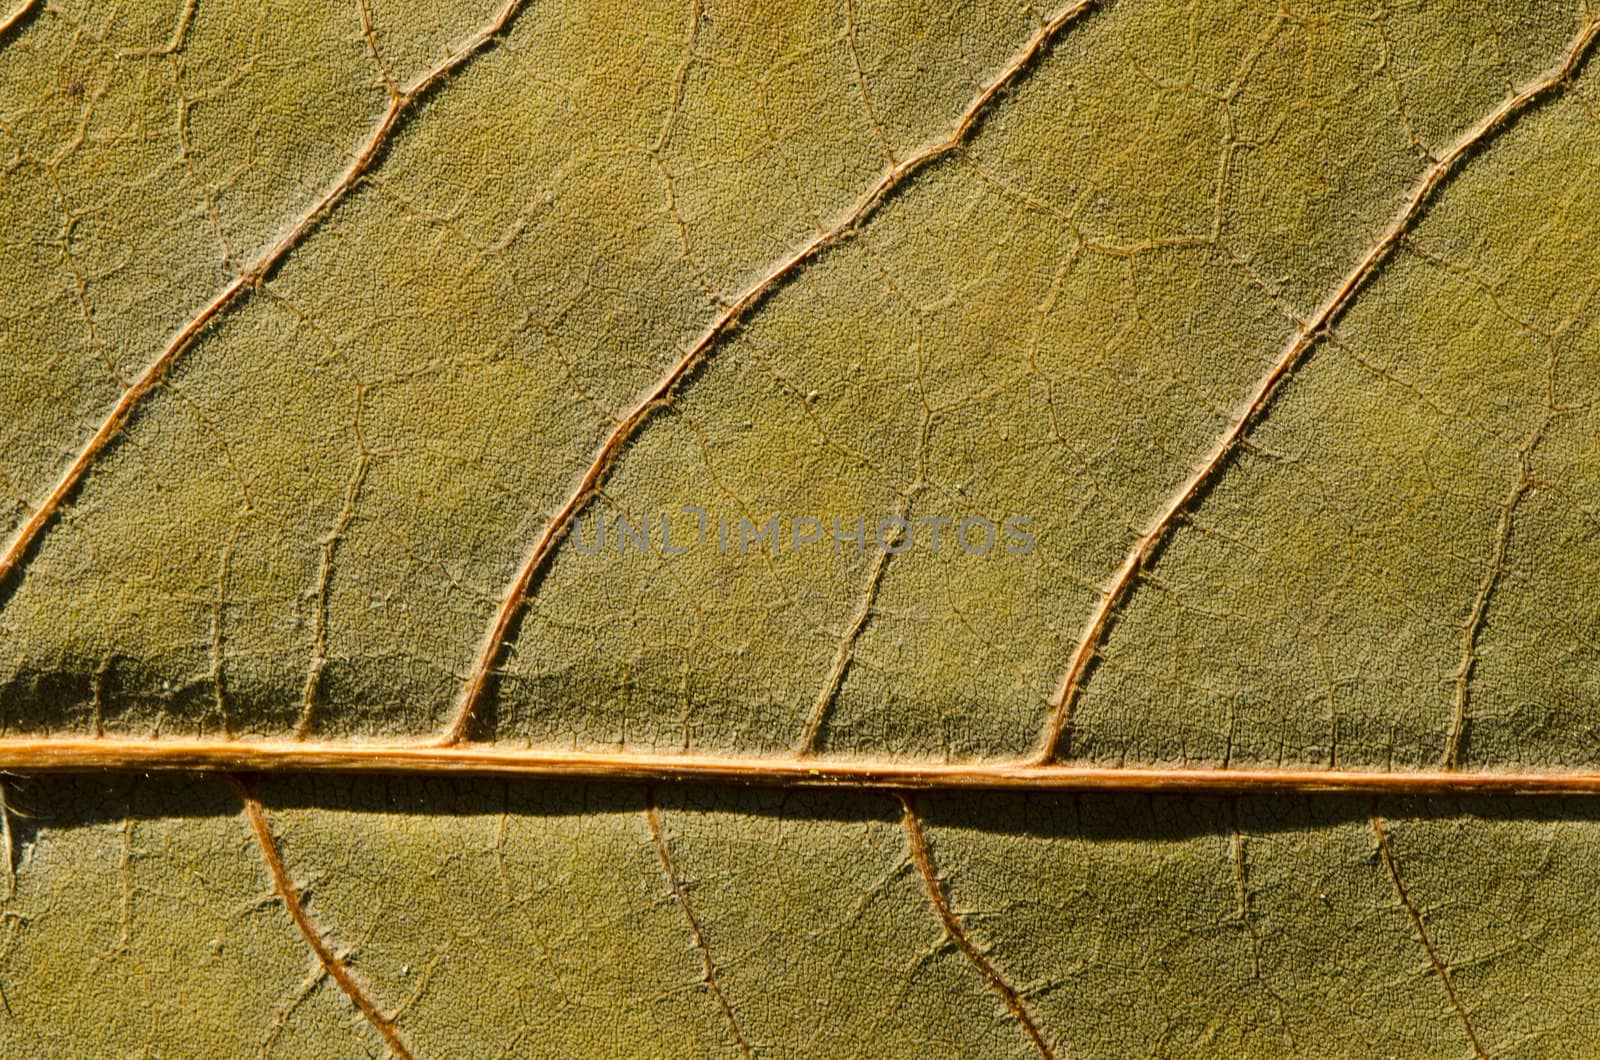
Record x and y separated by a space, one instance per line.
1262 337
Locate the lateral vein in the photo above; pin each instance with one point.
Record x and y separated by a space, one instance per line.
291 900
1439 967
1057 726
505 617
401 102
659 838
922 860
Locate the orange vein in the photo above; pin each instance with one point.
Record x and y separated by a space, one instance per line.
17 16
505 615
1422 932
922 858
87 754
1307 335
291 901
844 652
659 838
401 102
1479 613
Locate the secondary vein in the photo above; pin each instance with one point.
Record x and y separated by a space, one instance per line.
401 102
1057 724
922 860
291 900
669 869
505 617
1386 851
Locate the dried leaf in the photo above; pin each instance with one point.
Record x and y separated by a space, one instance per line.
873 396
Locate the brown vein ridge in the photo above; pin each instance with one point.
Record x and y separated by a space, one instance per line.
675 885
21 12
844 652
291 901
493 645
1387 853
401 102
1320 322
922 859
66 754
1493 571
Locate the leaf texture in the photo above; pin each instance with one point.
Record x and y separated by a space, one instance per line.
334 336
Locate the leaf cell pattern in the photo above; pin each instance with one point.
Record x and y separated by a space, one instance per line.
333 333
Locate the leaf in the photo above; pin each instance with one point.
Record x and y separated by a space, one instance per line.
1258 343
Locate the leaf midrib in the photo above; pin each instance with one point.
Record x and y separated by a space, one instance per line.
93 754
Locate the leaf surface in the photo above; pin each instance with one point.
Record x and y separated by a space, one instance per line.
1261 339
